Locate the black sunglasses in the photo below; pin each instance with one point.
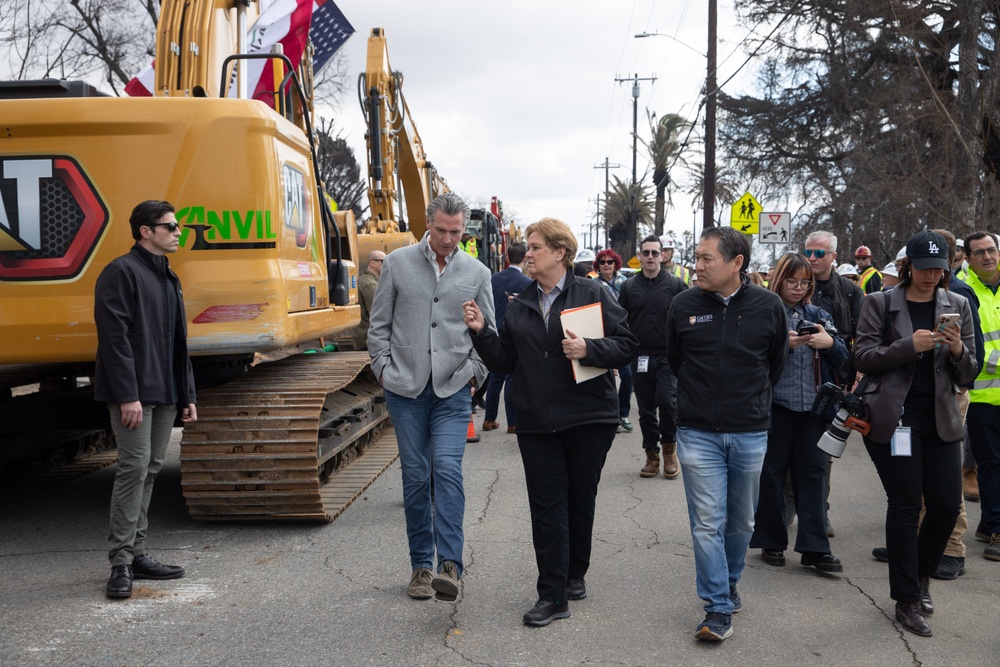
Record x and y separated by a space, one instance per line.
606 261
171 226
650 253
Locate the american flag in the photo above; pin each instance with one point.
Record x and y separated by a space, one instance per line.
288 22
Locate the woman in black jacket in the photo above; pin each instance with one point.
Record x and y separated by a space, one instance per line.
564 429
914 362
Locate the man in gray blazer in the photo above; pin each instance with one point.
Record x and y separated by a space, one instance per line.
423 356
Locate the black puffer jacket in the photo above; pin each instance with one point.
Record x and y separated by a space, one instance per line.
726 357
546 396
135 361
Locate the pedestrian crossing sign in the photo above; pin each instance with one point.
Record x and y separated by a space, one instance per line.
745 217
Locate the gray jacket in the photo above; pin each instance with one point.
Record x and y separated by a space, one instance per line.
417 331
891 366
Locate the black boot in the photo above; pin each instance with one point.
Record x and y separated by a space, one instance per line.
926 604
909 616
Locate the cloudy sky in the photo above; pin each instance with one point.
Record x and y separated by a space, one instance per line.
518 99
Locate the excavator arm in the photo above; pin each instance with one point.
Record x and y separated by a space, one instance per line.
395 150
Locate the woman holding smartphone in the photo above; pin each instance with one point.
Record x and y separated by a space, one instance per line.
915 360
813 354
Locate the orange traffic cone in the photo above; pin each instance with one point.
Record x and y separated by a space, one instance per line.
470 435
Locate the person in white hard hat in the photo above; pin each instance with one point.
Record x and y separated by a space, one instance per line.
890 276
849 271
583 264
667 261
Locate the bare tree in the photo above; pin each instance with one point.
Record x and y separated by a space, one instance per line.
339 169
869 119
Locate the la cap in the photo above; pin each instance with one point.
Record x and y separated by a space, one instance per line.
928 250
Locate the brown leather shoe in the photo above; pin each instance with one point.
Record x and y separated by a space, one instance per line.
909 616
970 484
652 467
490 426
670 468
512 429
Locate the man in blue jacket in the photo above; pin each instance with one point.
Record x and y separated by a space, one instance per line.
506 285
727 343
144 374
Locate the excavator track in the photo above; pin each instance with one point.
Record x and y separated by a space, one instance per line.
293 440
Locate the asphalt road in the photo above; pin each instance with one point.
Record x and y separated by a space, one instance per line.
334 594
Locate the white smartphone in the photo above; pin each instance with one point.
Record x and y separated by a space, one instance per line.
947 320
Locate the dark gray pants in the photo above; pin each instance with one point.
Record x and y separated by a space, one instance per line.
140 456
656 391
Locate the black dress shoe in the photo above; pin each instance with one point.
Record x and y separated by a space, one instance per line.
881 554
576 589
776 558
822 562
544 612
909 616
145 566
120 583
926 604
950 567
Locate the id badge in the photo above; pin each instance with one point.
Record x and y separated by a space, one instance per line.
643 364
901 441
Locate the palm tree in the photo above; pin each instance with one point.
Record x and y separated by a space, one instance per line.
666 147
629 212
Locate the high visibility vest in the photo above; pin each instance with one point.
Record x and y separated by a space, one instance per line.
986 388
962 274
682 273
867 275
470 247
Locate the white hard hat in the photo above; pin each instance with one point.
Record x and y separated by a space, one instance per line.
585 255
890 270
667 242
847 270
901 254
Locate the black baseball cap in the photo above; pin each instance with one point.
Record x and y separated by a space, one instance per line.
927 250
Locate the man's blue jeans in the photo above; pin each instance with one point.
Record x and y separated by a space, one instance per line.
721 481
431 434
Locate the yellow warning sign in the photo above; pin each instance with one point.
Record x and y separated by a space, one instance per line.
746 215
634 262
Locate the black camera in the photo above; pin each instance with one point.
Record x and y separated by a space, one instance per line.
850 416
806 327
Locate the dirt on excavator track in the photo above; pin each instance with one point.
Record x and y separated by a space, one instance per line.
296 439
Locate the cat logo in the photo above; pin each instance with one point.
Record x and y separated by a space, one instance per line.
51 218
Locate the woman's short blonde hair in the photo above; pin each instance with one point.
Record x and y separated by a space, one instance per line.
557 234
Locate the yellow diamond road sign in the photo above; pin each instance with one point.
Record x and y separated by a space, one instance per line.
746 215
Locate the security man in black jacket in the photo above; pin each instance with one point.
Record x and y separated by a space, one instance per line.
646 297
144 374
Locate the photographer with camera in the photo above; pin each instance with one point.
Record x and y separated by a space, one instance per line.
914 359
814 351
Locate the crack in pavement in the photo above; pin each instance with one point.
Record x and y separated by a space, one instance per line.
899 631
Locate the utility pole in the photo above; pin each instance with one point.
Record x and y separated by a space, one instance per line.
711 96
607 166
635 113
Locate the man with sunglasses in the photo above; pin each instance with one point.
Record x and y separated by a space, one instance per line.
367 284
646 297
144 374
840 297
869 277
834 293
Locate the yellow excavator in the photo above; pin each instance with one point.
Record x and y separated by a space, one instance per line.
266 266
400 176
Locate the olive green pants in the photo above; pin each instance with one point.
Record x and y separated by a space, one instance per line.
140 456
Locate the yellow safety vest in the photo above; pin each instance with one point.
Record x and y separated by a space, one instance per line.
867 275
962 274
682 273
986 388
470 247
